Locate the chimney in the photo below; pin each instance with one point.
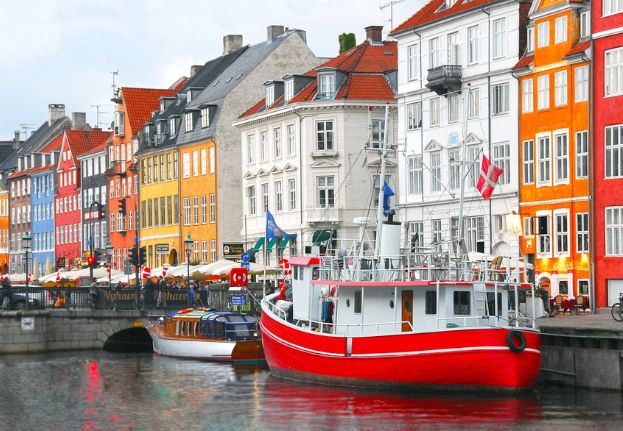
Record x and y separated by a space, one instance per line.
194 69
231 43
16 140
272 31
374 33
78 120
55 111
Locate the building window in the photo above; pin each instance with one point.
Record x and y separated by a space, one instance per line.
263 146
212 208
326 191
585 24
196 210
434 53
582 227
172 129
530 39
612 6
186 211
544 155
500 98
543 30
163 212
502 159
455 169
453 48
581 84
453 108
156 213
435 111
416 231
544 239
264 196
169 210
150 215
205 117
324 135
277 142
292 193
543 92
213 250
175 166
185 165
414 115
250 149
412 62
288 90
188 122
473 104
527 95
472 44
614 71
583 287
527 226
270 94
278 196
499 38
435 167
561 156
560 88
204 209
176 208
204 251
327 86
251 200
614 151
562 234
378 133
195 163
581 153
462 303
212 153
475 233
416 175
614 231
204 161
528 162
196 251
560 29
473 158
291 140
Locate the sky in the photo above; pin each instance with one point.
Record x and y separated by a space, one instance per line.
64 51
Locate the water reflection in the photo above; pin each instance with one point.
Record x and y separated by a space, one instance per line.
103 391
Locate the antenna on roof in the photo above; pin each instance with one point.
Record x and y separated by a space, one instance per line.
390 4
27 127
98 112
115 90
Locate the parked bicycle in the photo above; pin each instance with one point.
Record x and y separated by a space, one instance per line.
617 309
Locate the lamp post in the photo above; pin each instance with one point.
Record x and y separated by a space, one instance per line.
26 238
188 243
110 250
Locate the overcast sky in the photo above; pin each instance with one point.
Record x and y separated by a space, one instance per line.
63 51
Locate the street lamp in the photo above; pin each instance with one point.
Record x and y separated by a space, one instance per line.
188 244
26 238
110 250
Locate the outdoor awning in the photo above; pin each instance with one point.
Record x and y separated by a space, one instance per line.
258 245
321 236
284 242
271 244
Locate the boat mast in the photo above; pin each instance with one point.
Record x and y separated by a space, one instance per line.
462 156
379 208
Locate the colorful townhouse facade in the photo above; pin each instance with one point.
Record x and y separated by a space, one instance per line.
303 155
4 231
455 89
134 107
554 132
68 200
607 116
93 186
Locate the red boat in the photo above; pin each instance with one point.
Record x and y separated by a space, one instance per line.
378 315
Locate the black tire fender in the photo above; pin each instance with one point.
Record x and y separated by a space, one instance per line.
516 341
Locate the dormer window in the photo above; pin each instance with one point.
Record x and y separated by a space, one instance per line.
289 89
188 122
326 85
530 39
270 95
172 128
585 24
162 105
205 117
119 123
189 96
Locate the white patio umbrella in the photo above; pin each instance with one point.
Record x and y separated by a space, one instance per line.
180 271
254 268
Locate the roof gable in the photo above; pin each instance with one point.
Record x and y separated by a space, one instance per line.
139 103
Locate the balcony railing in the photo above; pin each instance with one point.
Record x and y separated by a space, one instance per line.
320 215
445 79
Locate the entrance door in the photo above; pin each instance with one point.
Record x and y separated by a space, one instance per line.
407 310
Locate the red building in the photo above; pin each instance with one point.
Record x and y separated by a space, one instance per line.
607 29
134 107
68 200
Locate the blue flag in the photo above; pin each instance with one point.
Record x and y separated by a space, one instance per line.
387 193
272 230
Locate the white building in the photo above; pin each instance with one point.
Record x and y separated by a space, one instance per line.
303 152
453 55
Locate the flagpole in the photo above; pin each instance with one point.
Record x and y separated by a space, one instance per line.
265 252
462 156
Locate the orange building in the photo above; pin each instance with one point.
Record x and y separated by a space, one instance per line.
554 145
4 231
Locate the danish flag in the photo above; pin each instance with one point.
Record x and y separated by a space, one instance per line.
489 175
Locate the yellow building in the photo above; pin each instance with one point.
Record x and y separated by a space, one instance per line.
198 199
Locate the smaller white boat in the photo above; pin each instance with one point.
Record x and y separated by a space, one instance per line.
208 335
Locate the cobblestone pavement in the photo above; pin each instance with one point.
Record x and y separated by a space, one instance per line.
581 322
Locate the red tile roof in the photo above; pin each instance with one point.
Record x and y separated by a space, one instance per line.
30 171
524 61
365 87
254 109
429 13
579 47
54 145
141 102
366 58
82 141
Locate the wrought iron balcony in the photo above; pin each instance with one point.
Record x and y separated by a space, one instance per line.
445 79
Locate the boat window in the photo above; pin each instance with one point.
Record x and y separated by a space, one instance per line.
315 273
491 303
195 327
183 328
431 302
357 301
219 329
462 303
177 327
295 272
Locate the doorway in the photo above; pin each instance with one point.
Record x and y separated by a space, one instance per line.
407 310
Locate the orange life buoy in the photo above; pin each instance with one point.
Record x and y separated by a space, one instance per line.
185 310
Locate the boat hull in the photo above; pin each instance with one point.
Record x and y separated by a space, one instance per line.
454 359
206 349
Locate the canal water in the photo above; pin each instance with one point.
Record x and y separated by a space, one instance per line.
122 391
